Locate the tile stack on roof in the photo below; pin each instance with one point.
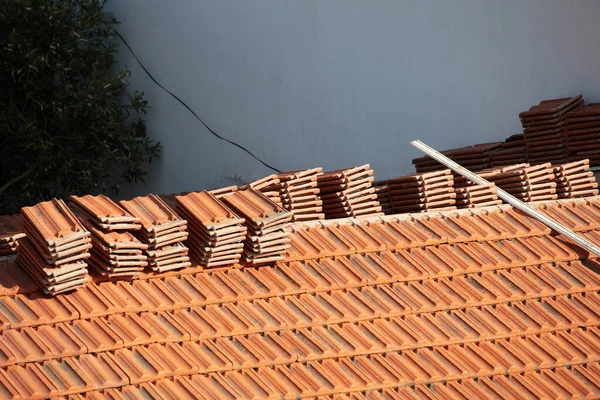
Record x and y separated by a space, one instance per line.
267 236
544 129
218 193
299 194
383 196
422 192
162 230
169 199
116 253
575 180
216 232
10 233
526 183
104 213
268 186
583 133
469 194
55 248
474 158
482 303
512 151
348 192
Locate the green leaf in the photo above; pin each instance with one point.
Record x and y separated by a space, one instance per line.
65 111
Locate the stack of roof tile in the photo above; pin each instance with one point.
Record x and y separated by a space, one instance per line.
104 213
116 253
525 182
469 194
512 151
169 199
268 186
299 194
55 248
216 232
575 180
544 129
267 237
422 192
162 230
218 193
583 133
348 193
383 196
10 233
474 158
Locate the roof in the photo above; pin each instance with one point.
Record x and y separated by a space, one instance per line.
481 303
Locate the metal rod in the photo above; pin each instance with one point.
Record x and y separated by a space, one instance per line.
507 197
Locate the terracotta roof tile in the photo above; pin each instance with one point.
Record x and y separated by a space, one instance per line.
104 212
458 305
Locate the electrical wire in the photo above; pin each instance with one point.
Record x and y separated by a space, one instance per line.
190 110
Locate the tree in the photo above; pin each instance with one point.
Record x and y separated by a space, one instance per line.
67 122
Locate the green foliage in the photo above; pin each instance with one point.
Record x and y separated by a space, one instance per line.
67 123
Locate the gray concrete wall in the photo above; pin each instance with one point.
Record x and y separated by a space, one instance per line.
336 83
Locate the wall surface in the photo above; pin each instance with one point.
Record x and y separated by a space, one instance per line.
338 83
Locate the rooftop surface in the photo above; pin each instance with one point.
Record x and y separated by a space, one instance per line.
481 303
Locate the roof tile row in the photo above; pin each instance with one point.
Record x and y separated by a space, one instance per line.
304 342
564 382
327 376
467 301
142 326
291 278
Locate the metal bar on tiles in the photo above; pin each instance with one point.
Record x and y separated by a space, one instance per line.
507 197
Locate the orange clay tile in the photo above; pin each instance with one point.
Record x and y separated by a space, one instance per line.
103 210
10 228
154 214
442 305
255 207
208 210
54 222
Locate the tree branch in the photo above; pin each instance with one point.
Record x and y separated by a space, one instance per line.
15 180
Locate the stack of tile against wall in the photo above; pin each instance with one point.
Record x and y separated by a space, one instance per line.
512 151
526 183
422 192
216 232
267 234
299 194
55 248
116 252
220 192
348 192
544 129
557 131
295 191
162 230
574 180
10 233
474 158
470 194
583 133
268 186
383 196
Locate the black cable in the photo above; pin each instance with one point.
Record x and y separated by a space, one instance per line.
189 109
